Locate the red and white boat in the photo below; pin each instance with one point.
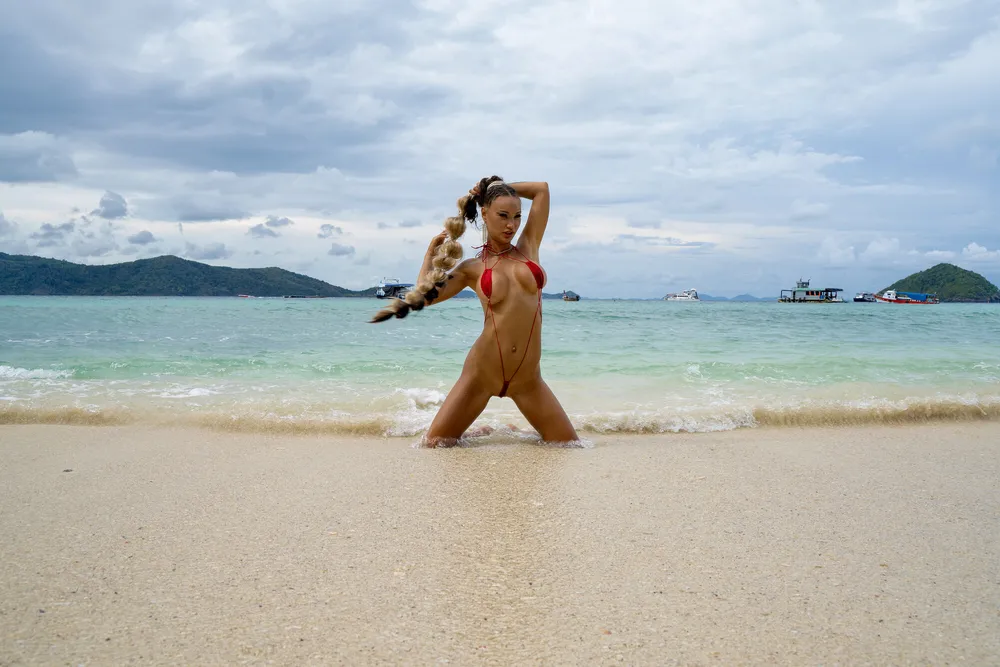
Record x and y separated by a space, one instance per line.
892 296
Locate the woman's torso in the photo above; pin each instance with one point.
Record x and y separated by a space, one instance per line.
510 346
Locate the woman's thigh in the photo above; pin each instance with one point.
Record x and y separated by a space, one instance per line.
466 401
542 410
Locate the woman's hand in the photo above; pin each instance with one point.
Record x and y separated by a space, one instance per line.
436 243
530 190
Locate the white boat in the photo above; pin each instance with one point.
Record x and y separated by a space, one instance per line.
390 287
686 295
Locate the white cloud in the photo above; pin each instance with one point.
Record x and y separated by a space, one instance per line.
7 227
111 207
741 138
882 251
49 234
32 156
977 253
260 231
339 250
804 210
275 221
327 230
834 254
208 251
145 237
98 245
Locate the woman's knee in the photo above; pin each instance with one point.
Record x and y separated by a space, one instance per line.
543 411
464 403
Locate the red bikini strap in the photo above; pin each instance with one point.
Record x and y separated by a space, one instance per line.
536 271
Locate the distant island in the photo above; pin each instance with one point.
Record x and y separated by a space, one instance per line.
166 275
159 276
951 284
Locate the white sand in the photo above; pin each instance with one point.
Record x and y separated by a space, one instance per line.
846 546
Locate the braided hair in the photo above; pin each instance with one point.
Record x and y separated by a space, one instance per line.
449 252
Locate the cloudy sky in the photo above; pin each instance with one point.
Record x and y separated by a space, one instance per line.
727 145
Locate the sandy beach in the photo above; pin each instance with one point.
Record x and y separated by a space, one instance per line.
134 545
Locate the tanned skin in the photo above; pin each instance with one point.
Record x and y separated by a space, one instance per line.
514 303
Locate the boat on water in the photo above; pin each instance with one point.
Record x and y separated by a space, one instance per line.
391 287
805 294
570 296
864 297
686 295
894 296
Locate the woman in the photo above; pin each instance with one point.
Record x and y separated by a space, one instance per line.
504 360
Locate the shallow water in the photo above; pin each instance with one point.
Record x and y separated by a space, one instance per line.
617 366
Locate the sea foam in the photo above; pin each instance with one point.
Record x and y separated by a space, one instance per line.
12 373
410 422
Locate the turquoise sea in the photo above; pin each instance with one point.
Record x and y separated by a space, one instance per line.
617 366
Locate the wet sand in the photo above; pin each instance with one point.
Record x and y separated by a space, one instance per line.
771 546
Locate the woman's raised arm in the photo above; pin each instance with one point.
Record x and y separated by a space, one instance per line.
538 216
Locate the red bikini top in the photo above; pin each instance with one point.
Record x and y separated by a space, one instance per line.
486 281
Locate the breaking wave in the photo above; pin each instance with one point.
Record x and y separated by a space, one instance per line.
413 422
12 373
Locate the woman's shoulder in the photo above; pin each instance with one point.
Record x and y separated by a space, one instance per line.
469 266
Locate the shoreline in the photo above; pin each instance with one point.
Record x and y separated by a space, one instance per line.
758 546
913 411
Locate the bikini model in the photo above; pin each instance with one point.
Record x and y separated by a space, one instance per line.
500 205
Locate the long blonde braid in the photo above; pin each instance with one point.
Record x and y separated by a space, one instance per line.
449 252
447 256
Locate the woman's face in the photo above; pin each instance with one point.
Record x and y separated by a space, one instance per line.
503 218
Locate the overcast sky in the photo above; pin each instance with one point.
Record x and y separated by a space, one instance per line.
727 145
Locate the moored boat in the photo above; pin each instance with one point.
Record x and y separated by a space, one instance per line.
390 287
804 294
686 295
570 296
915 298
864 297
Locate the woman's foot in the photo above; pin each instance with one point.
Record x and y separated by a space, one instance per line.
481 431
434 443
477 432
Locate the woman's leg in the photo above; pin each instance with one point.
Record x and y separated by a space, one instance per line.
542 410
464 403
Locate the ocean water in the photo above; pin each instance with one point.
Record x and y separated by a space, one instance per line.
617 366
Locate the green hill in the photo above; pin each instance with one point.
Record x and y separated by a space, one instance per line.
158 276
950 283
